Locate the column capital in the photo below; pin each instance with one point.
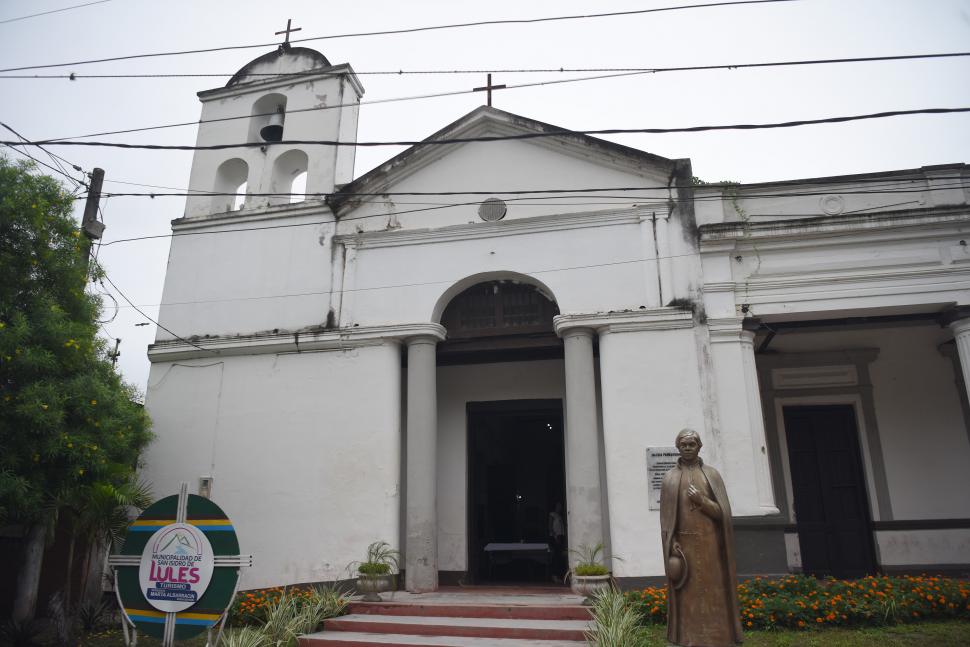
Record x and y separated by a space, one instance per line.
428 333
960 327
626 321
954 315
577 331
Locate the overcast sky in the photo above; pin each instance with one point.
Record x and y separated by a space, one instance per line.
806 29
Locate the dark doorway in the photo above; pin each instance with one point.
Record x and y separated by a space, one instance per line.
516 478
828 483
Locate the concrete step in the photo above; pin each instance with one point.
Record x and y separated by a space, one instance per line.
463 610
359 639
474 627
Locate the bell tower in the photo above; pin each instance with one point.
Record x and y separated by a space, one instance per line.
293 93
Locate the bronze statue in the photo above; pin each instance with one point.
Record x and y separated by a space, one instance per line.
698 543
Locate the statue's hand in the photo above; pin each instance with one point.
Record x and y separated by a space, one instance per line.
695 495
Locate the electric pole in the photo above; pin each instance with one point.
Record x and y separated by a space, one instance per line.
89 223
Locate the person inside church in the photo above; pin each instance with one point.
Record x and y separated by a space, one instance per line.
557 543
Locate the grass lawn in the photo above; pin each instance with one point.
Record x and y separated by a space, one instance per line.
934 634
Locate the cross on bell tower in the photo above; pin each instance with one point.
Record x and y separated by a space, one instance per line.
288 31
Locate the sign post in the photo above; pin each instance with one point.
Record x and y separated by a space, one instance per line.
178 569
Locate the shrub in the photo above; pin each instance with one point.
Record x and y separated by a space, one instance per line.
588 560
590 569
95 613
244 637
616 623
371 568
800 602
254 607
381 559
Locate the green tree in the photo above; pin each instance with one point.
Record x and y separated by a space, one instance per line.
68 424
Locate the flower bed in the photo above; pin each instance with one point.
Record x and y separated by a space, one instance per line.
800 602
251 607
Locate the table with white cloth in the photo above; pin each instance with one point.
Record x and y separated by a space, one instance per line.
502 553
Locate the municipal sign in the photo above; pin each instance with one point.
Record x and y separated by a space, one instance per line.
178 568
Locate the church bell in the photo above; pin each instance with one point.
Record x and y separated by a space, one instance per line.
273 130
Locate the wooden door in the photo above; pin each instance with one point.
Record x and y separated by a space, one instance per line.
828 483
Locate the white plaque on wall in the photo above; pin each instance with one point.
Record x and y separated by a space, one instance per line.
659 461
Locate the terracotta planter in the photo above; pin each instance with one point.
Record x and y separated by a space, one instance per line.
372 585
588 585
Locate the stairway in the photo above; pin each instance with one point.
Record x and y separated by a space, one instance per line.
473 617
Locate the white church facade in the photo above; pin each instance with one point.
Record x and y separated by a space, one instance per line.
442 376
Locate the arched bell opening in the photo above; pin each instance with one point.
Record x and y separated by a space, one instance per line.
289 178
268 118
232 179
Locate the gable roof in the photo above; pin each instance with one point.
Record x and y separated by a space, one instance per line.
494 121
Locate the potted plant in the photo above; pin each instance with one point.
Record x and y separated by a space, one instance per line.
589 575
375 574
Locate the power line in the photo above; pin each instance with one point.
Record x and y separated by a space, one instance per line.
415 97
44 13
717 198
416 284
410 30
31 157
451 281
520 136
54 158
104 274
563 70
619 72
323 196
700 185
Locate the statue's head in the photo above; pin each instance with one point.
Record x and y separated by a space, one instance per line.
689 444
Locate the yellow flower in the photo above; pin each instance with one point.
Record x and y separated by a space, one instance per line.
94 401
81 472
44 407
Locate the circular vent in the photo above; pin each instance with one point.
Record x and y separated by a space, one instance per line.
492 209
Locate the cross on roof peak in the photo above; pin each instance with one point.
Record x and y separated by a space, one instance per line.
488 87
288 31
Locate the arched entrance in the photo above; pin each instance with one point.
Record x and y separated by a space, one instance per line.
501 343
